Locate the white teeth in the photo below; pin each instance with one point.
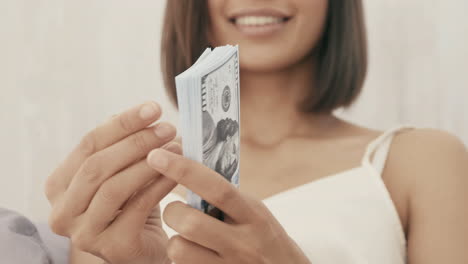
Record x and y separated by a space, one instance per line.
257 20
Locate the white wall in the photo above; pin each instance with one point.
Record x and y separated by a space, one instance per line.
65 66
418 65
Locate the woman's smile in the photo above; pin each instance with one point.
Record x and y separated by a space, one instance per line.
266 28
259 22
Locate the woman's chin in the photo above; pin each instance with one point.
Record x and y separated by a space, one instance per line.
259 65
266 61
262 67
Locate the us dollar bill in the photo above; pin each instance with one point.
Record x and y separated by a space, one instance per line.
220 115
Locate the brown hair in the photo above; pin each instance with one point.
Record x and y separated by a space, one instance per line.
341 53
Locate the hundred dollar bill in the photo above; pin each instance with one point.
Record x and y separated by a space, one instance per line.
208 96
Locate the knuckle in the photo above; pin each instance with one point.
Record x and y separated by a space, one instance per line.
262 215
175 248
109 192
142 203
140 142
82 240
108 251
88 144
125 122
224 195
57 223
91 169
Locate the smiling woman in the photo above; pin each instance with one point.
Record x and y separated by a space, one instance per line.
334 29
314 188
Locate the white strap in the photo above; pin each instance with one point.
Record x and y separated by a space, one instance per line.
380 155
377 151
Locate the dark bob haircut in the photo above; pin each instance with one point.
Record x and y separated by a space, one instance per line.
341 53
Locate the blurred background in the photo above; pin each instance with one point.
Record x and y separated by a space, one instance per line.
66 66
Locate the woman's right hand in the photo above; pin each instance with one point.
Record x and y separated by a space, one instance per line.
105 197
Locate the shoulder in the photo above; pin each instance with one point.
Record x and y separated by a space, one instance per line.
428 174
425 170
428 151
427 154
434 137
425 166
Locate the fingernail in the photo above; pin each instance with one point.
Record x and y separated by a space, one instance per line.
149 110
158 159
164 130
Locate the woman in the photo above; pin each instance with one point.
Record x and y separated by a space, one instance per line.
314 188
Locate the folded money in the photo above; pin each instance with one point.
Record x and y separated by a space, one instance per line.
208 100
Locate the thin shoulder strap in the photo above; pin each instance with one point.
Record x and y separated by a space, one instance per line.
377 151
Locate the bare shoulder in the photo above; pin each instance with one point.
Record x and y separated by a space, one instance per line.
430 137
425 156
425 165
426 173
428 151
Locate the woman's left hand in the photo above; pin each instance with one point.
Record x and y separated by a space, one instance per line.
250 233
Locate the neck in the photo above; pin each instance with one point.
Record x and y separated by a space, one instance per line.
270 101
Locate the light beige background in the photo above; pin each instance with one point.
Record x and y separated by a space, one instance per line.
66 65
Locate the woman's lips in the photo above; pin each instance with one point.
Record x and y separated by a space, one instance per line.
255 21
259 24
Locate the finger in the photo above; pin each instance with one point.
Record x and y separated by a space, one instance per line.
198 227
104 164
183 251
135 213
203 181
115 129
114 192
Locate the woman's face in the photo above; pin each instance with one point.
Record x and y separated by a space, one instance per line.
272 34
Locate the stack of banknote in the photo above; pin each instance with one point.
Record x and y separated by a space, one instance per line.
208 100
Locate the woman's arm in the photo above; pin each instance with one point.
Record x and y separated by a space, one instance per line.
434 166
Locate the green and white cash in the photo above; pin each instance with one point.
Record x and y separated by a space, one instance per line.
208 99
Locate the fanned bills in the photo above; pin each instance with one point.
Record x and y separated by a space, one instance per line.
208 98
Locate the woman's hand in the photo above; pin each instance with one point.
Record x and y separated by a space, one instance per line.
105 197
250 234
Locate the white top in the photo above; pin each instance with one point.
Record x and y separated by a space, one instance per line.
344 218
